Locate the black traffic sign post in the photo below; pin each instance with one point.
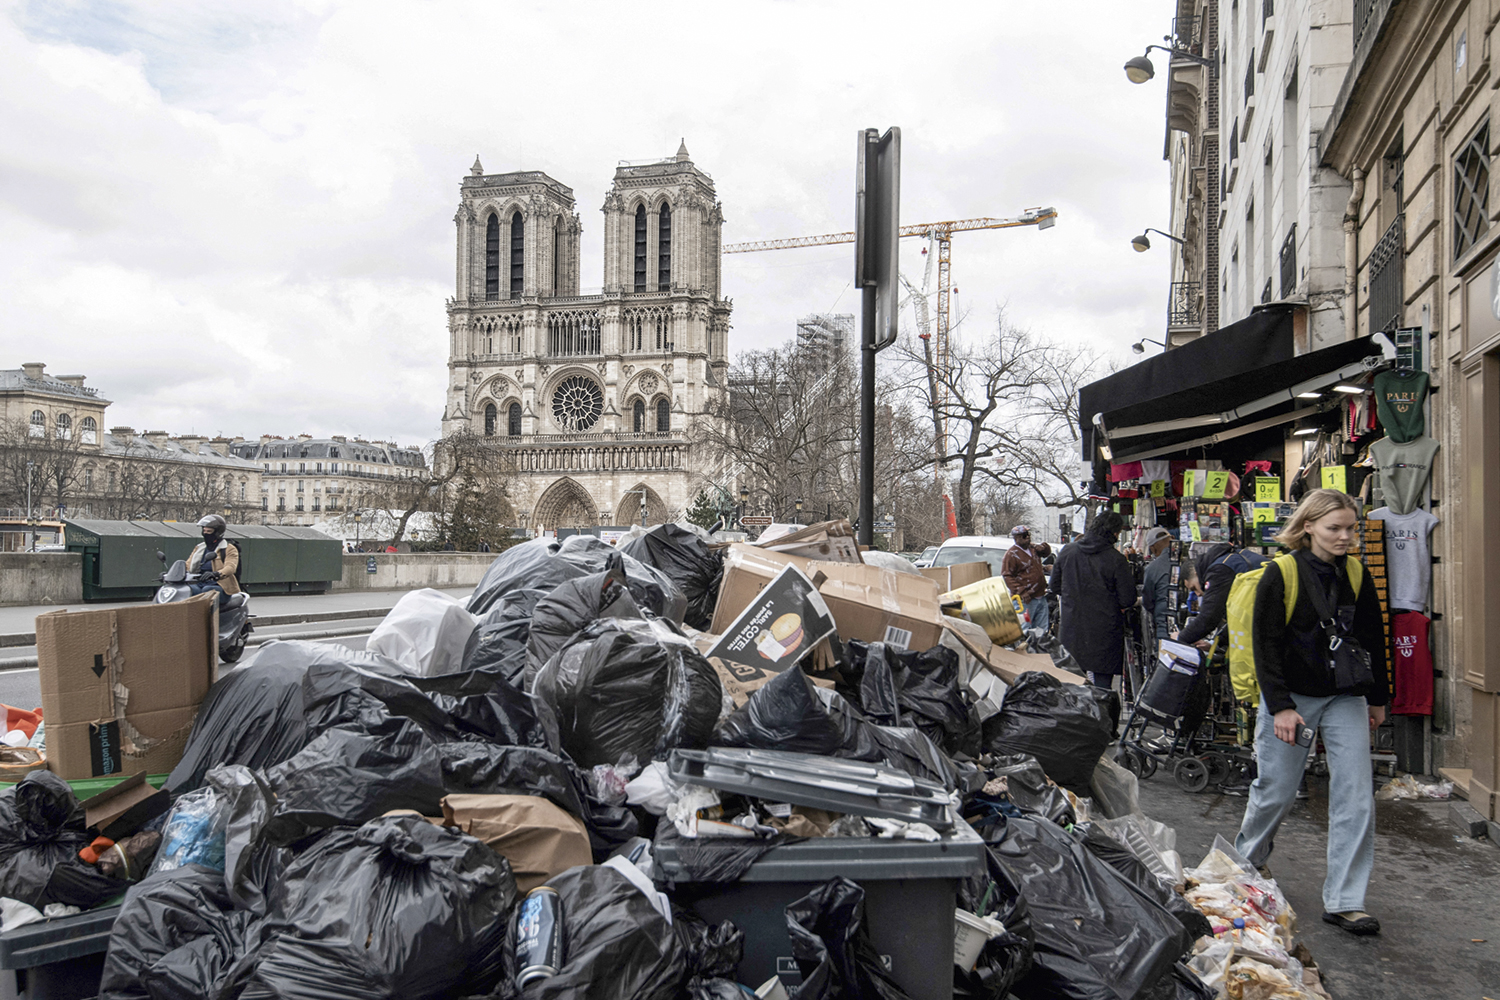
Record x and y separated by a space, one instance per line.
877 232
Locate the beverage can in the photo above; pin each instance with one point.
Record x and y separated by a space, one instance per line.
539 935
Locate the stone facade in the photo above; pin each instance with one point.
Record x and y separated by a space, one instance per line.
311 481
596 397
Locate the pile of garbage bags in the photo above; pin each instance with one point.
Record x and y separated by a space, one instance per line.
497 799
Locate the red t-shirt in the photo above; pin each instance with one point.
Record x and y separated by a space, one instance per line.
1412 663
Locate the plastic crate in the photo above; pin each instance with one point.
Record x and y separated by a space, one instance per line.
910 889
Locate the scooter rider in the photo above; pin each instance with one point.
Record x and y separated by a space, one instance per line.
218 555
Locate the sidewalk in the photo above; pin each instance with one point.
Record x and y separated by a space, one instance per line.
1433 890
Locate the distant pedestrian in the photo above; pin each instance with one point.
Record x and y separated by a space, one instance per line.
448 546
1024 576
484 546
1097 587
1156 587
1309 681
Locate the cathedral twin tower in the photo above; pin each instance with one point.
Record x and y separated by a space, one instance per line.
596 396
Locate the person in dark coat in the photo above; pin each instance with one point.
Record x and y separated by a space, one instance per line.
1097 586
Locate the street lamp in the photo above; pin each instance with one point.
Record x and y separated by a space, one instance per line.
1142 243
1140 70
525 516
799 510
356 529
1139 347
744 505
30 524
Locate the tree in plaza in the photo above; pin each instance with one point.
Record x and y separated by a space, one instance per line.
703 511
50 465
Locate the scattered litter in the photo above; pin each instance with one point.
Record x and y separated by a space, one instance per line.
1407 786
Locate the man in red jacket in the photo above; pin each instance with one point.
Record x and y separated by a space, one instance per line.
1024 576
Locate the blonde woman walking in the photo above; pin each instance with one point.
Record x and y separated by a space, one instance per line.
1322 667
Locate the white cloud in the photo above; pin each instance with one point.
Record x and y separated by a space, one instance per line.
237 218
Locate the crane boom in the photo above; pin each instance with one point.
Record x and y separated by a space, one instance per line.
1042 218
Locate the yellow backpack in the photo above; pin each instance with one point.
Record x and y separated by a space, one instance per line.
1240 613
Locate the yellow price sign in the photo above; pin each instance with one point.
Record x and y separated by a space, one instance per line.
1267 490
1336 477
1217 485
1197 532
1263 515
1158 488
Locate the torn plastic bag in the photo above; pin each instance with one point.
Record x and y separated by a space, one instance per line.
1116 792
688 561
832 946
1065 727
193 832
252 716
398 909
628 686
543 564
346 688
564 612
713 950
178 937
618 947
1005 959
916 689
484 769
498 643
41 833
1030 790
789 713
426 633
1122 859
1098 936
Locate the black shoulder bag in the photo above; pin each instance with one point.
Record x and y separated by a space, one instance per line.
1348 661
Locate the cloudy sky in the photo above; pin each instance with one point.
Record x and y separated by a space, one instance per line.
237 217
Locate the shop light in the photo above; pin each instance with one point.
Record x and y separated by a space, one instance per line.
1353 390
1305 430
1105 453
1309 395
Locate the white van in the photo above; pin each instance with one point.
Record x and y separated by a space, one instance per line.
973 548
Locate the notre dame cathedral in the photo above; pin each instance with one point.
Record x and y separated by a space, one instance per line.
597 396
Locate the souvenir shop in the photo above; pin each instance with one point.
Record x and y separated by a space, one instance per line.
1218 440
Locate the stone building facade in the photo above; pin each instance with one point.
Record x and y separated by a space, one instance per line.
596 398
311 481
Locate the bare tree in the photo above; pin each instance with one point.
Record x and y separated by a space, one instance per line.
50 466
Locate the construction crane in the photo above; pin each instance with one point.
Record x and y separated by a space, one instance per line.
934 348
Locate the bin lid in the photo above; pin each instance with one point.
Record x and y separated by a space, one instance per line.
804 779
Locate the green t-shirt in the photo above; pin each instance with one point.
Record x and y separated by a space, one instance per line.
1398 402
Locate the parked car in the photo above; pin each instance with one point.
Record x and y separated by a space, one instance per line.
973 548
925 559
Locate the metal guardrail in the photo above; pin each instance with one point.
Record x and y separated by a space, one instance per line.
1183 304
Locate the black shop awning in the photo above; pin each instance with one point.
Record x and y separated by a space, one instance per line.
1224 405
1134 395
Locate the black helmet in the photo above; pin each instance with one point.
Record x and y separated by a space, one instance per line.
214 522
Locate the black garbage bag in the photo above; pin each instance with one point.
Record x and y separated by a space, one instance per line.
832 946
790 713
398 909
1030 790
497 645
251 715
543 564
41 833
1006 959
899 687
691 564
617 946
628 686
1098 936
1065 727
178 937
1123 860
494 770
564 612
713 950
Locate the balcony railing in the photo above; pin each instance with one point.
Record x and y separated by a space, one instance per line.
588 438
1289 263
1364 17
1386 265
1250 77
1187 33
1184 305
1267 10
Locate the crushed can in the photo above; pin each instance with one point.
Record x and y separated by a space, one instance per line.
539 935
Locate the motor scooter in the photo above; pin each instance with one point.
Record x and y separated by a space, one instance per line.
235 623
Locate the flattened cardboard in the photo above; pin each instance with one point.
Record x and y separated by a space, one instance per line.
867 602
118 812
1007 664
121 686
952 577
779 627
828 541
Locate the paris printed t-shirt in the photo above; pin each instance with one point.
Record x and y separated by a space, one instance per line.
1408 557
1398 401
1412 664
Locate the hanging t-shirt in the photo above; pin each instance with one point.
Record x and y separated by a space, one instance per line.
1408 557
1156 469
1398 401
1412 664
1404 470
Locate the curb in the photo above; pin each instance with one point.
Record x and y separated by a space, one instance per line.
29 662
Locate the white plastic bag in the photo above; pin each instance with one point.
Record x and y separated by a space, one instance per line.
425 633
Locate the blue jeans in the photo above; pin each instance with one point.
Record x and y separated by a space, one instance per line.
210 588
1037 609
1344 723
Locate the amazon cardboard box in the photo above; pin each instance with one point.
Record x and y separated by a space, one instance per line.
121 686
867 602
952 577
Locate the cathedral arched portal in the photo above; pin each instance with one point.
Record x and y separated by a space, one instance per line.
629 508
566 504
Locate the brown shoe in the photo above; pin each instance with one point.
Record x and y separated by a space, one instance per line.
1354 921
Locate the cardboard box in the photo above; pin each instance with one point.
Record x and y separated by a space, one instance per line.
118 812
780 626
952 577
1007 664
121 686
868 603
828 541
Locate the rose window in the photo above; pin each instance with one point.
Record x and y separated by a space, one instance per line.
577 403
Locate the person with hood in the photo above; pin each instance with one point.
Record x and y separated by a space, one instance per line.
1096 586
1215 568
1156 586
217 555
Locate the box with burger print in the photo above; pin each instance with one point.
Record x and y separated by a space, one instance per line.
777 629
